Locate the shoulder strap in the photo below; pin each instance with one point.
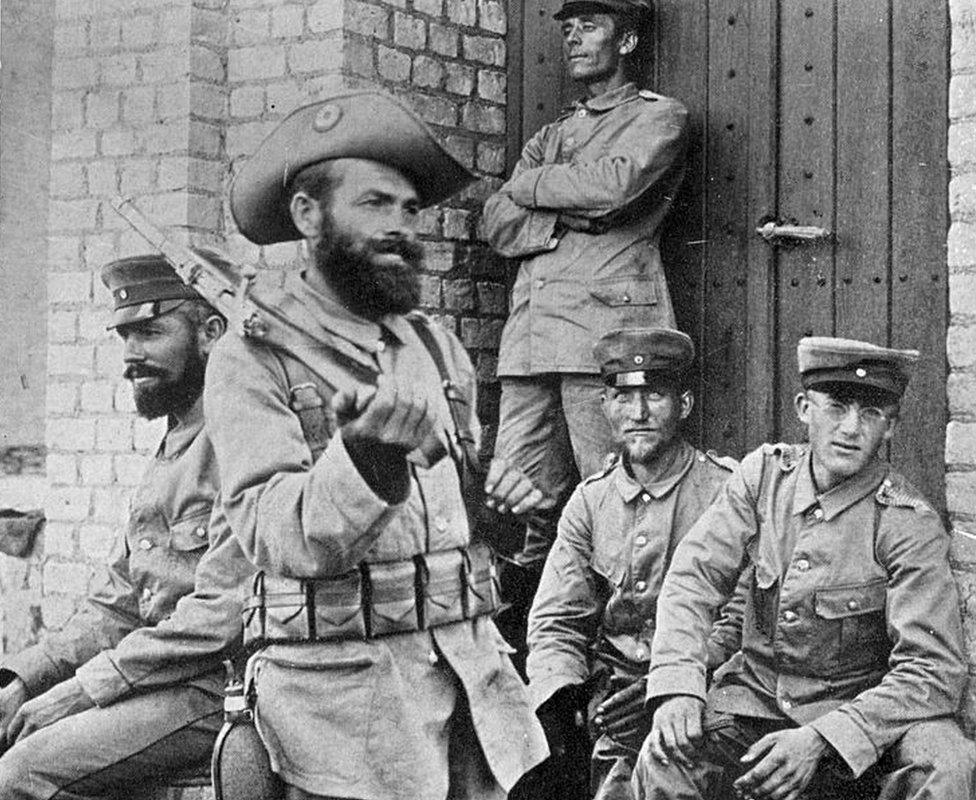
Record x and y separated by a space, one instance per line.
314 411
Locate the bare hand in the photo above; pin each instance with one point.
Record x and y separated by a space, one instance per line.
677 729
393 416
622 715
12 697
790 761
63 700
509 490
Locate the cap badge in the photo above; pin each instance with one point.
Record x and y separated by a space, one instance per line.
123 294
327 118
638 359
861 372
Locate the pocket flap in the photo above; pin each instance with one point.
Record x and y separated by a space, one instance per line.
848 601
633 291
190 533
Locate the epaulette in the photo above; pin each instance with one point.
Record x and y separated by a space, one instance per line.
725 462
610 460
786 455
647 94
897 491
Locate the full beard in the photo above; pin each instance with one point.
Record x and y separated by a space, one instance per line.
168 395
365 286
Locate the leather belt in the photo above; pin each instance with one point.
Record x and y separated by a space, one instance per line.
377 599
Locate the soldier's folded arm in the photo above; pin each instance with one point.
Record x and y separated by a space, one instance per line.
291 516
566 610
203 630
927 666
514 230
647 149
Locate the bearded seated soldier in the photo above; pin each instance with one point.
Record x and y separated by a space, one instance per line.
851 668
129 691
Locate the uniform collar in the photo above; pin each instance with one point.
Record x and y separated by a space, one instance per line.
630 488
842 496
609 100
182 431
325 310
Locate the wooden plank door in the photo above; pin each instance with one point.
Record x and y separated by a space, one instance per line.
820 113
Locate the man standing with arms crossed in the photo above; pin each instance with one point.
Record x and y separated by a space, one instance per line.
381 676
851 666
129 692
582 211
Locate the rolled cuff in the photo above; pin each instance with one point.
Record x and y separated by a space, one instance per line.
667 681
34 668
848 739
102 681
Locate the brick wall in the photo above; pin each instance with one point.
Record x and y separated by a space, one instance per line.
160 100
961 342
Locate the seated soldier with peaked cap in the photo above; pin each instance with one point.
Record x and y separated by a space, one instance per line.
852 666
381 674
594 610
129 691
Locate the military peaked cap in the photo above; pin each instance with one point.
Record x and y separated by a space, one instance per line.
633 8
633 356
143 287
823 359
354 124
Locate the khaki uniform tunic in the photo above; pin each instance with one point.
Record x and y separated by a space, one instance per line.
853 622
358 718
617 160
142 626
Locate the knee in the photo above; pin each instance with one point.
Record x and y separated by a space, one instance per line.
938 747
15 770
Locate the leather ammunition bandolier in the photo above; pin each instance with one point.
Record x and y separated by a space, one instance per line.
377 598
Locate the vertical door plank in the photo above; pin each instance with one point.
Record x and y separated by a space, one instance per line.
862 173
723 353
919 292
515 74
681 71
806 163
543 75
761 379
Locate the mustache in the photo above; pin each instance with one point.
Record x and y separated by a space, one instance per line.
142 371
407 250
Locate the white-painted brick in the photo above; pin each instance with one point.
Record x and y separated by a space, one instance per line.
61 398
114 434
284 97
100 248
205 64
108 358
103 177
961 443
96 396
66 578
139 31
62 326
287 21
325 15
123 400
961 346
69 359
137 177
129 468
247 101
96 541
250 27
962 294
68 503
68 180
316 56
165 66
57 609
67 110
110 505
255 63
62 470
148 433
74 73
962 96
123 142
208 101
119 70
962 143
59 540
96 469
73 144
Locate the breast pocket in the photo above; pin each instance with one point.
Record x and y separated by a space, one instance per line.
852 619
623 302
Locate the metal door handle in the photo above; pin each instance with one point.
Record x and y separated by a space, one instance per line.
773 232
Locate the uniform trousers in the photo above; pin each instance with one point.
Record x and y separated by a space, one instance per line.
932 761
552 426
117 751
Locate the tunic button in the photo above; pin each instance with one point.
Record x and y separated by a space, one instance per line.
553 243
852 605
440 523
380 345
539 283
802 565
789 616
641 653
145 544
818 513
785 703
432 658
626 298
581 112
640 586
146 595
646 497
570 141
640 541
201 531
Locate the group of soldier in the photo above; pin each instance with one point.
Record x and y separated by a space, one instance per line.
782 627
